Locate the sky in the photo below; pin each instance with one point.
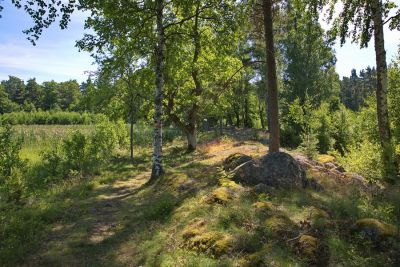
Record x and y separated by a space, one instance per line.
55 56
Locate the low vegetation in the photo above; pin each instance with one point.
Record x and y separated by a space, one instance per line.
49 118
108 215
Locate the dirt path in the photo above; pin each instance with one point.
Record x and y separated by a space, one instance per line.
84 238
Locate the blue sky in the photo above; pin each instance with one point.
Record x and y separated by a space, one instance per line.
55 56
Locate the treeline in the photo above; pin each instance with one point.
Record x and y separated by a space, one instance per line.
356 88
16 95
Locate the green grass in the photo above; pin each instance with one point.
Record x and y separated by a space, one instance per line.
116 219
38 138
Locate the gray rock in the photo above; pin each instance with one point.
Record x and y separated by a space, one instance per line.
235 160
261 188
330 165
276 169
340 169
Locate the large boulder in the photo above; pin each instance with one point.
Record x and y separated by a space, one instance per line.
276 169
235 160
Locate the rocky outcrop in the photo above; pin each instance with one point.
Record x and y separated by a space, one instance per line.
277 169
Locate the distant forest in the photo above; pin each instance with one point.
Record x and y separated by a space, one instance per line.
30 96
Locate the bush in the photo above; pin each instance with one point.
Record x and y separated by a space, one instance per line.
309 143
364 159
11 167
342 130
292 124
321 122
84 155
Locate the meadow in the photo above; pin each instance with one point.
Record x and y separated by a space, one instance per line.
38 138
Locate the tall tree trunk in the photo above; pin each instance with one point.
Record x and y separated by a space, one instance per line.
381 91
191 137
157 168
198 89
131 135
237 115
261 114
272 84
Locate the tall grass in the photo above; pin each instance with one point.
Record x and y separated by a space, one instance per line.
37 138
143 134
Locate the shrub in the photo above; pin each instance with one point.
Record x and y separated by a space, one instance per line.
76 153
309 143
84 155
364 159
321 122
342 130
11 166
292 124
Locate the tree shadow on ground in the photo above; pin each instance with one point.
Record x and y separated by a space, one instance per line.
105 226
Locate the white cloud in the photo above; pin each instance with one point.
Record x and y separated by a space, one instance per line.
48 61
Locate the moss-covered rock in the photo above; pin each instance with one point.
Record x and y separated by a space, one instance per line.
315 212
235 160
308 246
277 169
196 227
221 195
263 205
374 228
225 182
280 225
197 237
326 158
255 259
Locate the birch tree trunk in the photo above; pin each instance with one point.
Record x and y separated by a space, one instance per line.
381 91
272 84
157 168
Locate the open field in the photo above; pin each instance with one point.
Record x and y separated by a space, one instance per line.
37 138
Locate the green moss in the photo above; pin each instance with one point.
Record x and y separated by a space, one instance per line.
308 246
326 158
221 195
374 228
280 225
235 160
264 205
225 182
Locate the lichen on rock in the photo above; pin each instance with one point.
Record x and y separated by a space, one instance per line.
276 169
235 160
